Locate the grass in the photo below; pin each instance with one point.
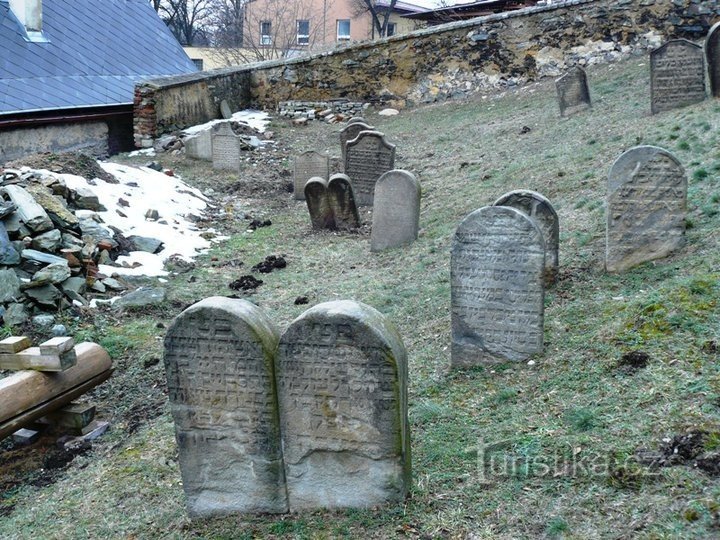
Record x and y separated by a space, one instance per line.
573 407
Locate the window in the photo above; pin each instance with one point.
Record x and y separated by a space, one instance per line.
303 32
343 29
391 29
265 33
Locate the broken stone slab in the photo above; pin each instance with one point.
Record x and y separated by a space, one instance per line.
39 256
8 253
85 199
9 286
30 212
7 208
144 296
199 145
48 241
54 206
47 295
113 284
75 284
91 227
146 243
53 273
16 314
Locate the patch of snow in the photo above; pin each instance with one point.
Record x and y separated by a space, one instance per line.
145 152
255 119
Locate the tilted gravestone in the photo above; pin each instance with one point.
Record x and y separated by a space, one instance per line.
341 371
539 209
677 75
396 210
573 93
225 109
646 207
225 147
308 165
496 278
367 158
316 197
342 202
350 132
712 53
219 365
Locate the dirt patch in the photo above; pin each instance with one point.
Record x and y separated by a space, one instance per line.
689 449
271 262
65 163
245 283
632 361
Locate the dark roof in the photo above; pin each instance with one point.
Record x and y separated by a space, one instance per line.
96 51
469 10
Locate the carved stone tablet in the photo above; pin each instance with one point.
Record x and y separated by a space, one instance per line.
573 92
342 202
308 165
646 207
496 278
225 148
712 52
316 197
677 75
350 132
341 371
539 209
219 364
396 212
367 158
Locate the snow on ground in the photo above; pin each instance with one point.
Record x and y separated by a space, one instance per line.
144 152
255 119
145 189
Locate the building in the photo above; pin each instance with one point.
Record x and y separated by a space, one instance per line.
68 70
461 12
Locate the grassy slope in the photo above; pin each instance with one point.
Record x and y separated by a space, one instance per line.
571 402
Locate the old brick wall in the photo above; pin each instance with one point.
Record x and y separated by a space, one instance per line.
444 61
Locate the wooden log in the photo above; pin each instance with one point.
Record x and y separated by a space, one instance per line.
28 389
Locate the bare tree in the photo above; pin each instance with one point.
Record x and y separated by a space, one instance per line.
227 20
186 18
379 11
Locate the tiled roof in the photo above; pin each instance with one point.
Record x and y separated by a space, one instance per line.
96 51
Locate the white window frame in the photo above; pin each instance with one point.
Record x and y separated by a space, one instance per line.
394 29
343 37
266 39
303 39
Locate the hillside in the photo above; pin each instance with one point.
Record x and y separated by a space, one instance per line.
573 421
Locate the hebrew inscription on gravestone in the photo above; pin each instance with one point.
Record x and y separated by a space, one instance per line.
367 158
573 93
341 369
677 75
308 165
712 53
496 278
219 365
225 148
396 210
646 207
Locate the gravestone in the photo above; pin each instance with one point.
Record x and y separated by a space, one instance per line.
356 119
712 53
646 207
677 75
350 132
367 158
219 365
199 145
308 165
316 197
341 371
225 148
573 93
342 202
396 211
496 278
225 109
539 209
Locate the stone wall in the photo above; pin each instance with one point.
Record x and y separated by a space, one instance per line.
443 61
89 137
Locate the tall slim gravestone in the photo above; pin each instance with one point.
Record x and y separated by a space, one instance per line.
677 75
350 132
308 165
396 210
341 372
316 198
342 202
712 54
539 209
573 92
367 158
646 207
496 277
219 365
225 148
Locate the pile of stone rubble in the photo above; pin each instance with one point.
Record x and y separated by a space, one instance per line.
328 111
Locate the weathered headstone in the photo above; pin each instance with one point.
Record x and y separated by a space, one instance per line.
573 93
316 197
496 278
367 158
396 210
539 209
342 202
677 75
350 132
225 109
712 53
219 364
308 165
341 371
356 119
225 147
199 145
646 207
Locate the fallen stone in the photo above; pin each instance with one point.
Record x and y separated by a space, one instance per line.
8 253
389 112
144 296
152 214
25 437
55 207
47 295
146 243
43 320
30 212
49 241
113 284
59 330
16 314
92 228
41 257
7 208
53 273
98 287
75 284
85 199
9 286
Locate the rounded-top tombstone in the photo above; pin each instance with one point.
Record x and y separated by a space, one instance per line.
712 53
219 365
496 277
538 208
396 210
316 198
646 207
342 202
341 369
573 92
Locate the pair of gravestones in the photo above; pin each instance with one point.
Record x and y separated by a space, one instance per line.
331 203
315 418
